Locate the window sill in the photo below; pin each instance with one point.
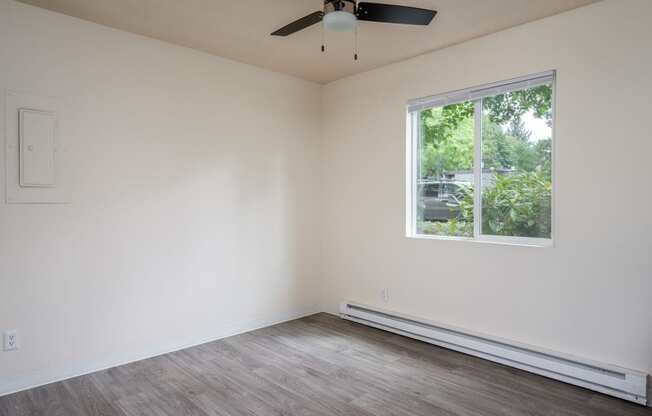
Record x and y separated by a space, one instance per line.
503 241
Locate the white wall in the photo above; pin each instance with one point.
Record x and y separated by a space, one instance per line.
193 203
197 210
591 294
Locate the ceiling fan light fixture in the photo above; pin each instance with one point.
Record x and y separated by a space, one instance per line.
340 21
343 16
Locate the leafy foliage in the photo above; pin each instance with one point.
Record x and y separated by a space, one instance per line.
518 202
447 133
513 149
504 108
447 143
440 123
518 206
452 228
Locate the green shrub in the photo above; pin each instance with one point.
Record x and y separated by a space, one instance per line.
518 205
451 228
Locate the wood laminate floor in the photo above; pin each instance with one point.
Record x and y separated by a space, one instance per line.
315 366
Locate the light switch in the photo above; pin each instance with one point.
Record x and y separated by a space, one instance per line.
37 130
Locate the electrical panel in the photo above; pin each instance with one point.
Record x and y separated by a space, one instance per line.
34 153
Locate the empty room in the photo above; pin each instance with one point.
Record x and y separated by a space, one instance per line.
325 208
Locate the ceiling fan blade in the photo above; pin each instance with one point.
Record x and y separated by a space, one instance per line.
300 24
388 13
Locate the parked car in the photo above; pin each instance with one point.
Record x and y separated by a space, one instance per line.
439 200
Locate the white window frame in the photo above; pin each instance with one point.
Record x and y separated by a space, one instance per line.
475 94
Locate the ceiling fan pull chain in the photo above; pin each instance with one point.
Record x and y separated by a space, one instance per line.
355 47
323 36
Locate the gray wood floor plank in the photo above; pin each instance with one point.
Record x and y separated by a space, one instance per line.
315 366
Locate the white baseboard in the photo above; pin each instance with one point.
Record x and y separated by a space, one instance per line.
605 378
54 375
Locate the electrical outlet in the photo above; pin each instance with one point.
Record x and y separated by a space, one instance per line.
10 340
385 295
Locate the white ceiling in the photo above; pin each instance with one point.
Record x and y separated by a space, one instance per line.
239 29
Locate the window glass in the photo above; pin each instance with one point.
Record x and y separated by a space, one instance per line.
445 170
517 163
482 168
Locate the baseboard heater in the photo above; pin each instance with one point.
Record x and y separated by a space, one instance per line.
615 381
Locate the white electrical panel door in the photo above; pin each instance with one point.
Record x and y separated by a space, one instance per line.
37 133
36 166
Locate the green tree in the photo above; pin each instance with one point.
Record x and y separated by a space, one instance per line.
505 108
543 154
447 133
518 131
498 148
439 123
511 148
447 139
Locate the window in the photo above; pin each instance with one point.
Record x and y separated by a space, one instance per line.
480 163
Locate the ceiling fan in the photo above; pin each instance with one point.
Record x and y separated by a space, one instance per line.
343 16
